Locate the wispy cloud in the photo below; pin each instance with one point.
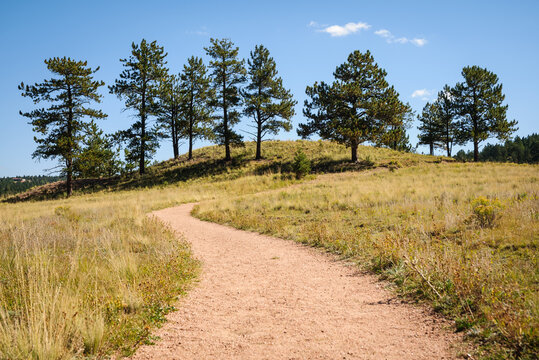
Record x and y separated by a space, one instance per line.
203 31
344 30
390 38
423 94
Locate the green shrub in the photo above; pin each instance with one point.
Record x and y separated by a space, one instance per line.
486 210
301 165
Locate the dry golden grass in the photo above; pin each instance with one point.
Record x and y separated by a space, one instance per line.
476 261
90 276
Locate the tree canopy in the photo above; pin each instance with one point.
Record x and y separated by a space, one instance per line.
227 74
266 100
61 125
358 106
479 103
138 85
196 105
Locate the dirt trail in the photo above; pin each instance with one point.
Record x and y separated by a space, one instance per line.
261 297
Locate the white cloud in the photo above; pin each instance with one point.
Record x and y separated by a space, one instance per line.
350 28
313 24
203 31
390 38
424 94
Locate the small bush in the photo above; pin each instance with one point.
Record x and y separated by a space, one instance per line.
486 211
301 165
367 161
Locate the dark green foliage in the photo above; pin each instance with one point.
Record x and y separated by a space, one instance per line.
395 136
429 127
196 111
138 85
266 100
97 157
63 123
448 130
228 73
358 106
301 165
478 101
520 150
439 126
18 184
168 111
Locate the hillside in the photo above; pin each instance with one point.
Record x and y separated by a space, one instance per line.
208 165
463 237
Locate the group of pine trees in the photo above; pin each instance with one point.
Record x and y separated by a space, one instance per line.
472 110
207 101
199 102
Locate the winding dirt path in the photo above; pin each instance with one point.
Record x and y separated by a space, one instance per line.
261 297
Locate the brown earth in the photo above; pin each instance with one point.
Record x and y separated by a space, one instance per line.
261 297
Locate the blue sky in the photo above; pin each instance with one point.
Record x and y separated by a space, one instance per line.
423 45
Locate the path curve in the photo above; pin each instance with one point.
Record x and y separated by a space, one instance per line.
261 297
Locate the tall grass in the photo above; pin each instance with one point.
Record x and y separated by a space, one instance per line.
422 227
90 276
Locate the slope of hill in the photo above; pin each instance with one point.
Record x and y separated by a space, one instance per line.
207 165
464 237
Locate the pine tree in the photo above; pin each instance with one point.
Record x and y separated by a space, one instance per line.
228 73
196 97
429 129
61 125
359 106
169 109
448 129
97 157
138 85
266 100
479 101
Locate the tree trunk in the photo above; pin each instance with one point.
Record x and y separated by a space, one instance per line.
69 181
353 147
431 145
69 160
175 139
258 137
475 150
225 126
191 120
143 131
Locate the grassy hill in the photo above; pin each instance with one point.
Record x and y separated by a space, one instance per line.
103 274
208 165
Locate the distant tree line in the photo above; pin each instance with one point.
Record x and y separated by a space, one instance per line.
17 184
207 101
519 150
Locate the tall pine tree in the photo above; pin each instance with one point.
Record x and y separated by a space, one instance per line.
358 106
168 110
228 73
266 100
448 129
429 128
479 100
197 95
61 125
139 86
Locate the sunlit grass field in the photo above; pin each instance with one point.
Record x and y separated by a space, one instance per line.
90 276
462 236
